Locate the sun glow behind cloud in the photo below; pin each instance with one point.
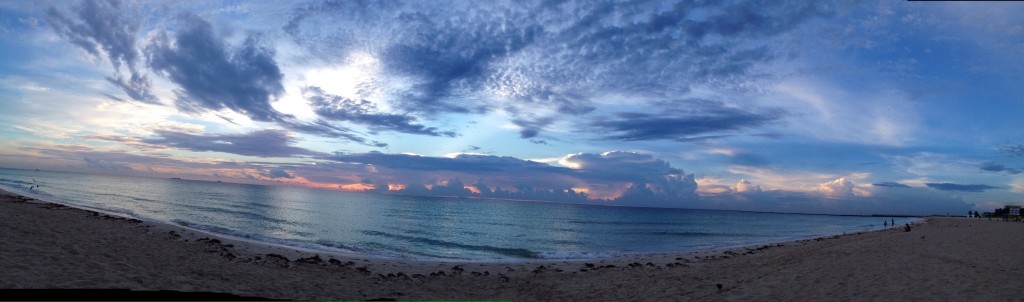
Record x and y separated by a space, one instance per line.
791 98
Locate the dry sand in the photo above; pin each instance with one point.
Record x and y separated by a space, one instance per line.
52 246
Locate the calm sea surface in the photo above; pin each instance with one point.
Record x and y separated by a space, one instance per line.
423 227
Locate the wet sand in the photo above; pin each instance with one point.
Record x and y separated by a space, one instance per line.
46 245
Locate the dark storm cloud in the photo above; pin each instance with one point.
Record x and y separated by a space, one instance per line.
557 55
263 143
214 77
363 112
994 167
960 188
107 27
891 184
700 120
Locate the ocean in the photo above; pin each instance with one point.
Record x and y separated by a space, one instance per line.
427 228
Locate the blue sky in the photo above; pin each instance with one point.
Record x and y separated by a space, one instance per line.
820 107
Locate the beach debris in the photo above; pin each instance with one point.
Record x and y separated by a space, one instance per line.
209 240
281 260
311 260
438 274
363 269
719 285
457 269
635 264
590 265
540 269
339 263
503 277
54 206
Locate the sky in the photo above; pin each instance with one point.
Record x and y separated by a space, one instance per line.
848 107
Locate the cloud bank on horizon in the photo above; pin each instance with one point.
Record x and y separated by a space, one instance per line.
792 106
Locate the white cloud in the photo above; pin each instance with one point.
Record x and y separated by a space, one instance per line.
745 186
824 111
840 187
1017 185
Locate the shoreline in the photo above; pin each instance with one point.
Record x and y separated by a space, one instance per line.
255 247
295 251
49 245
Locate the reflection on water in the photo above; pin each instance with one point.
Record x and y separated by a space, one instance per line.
424 227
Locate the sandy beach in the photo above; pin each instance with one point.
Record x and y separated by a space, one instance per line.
45 245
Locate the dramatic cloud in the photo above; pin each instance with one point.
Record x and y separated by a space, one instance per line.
651 179
994 167
961 188
263 143
107 27
213 76
363 112
621 176
701 119
779 93
523 56
890 184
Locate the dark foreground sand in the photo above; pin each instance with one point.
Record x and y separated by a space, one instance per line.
52 246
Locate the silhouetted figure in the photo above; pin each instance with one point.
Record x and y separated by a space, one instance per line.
907 228
885 224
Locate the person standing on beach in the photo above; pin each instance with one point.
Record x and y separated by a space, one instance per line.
893 224
885 224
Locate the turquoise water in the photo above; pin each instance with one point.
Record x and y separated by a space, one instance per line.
424 227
